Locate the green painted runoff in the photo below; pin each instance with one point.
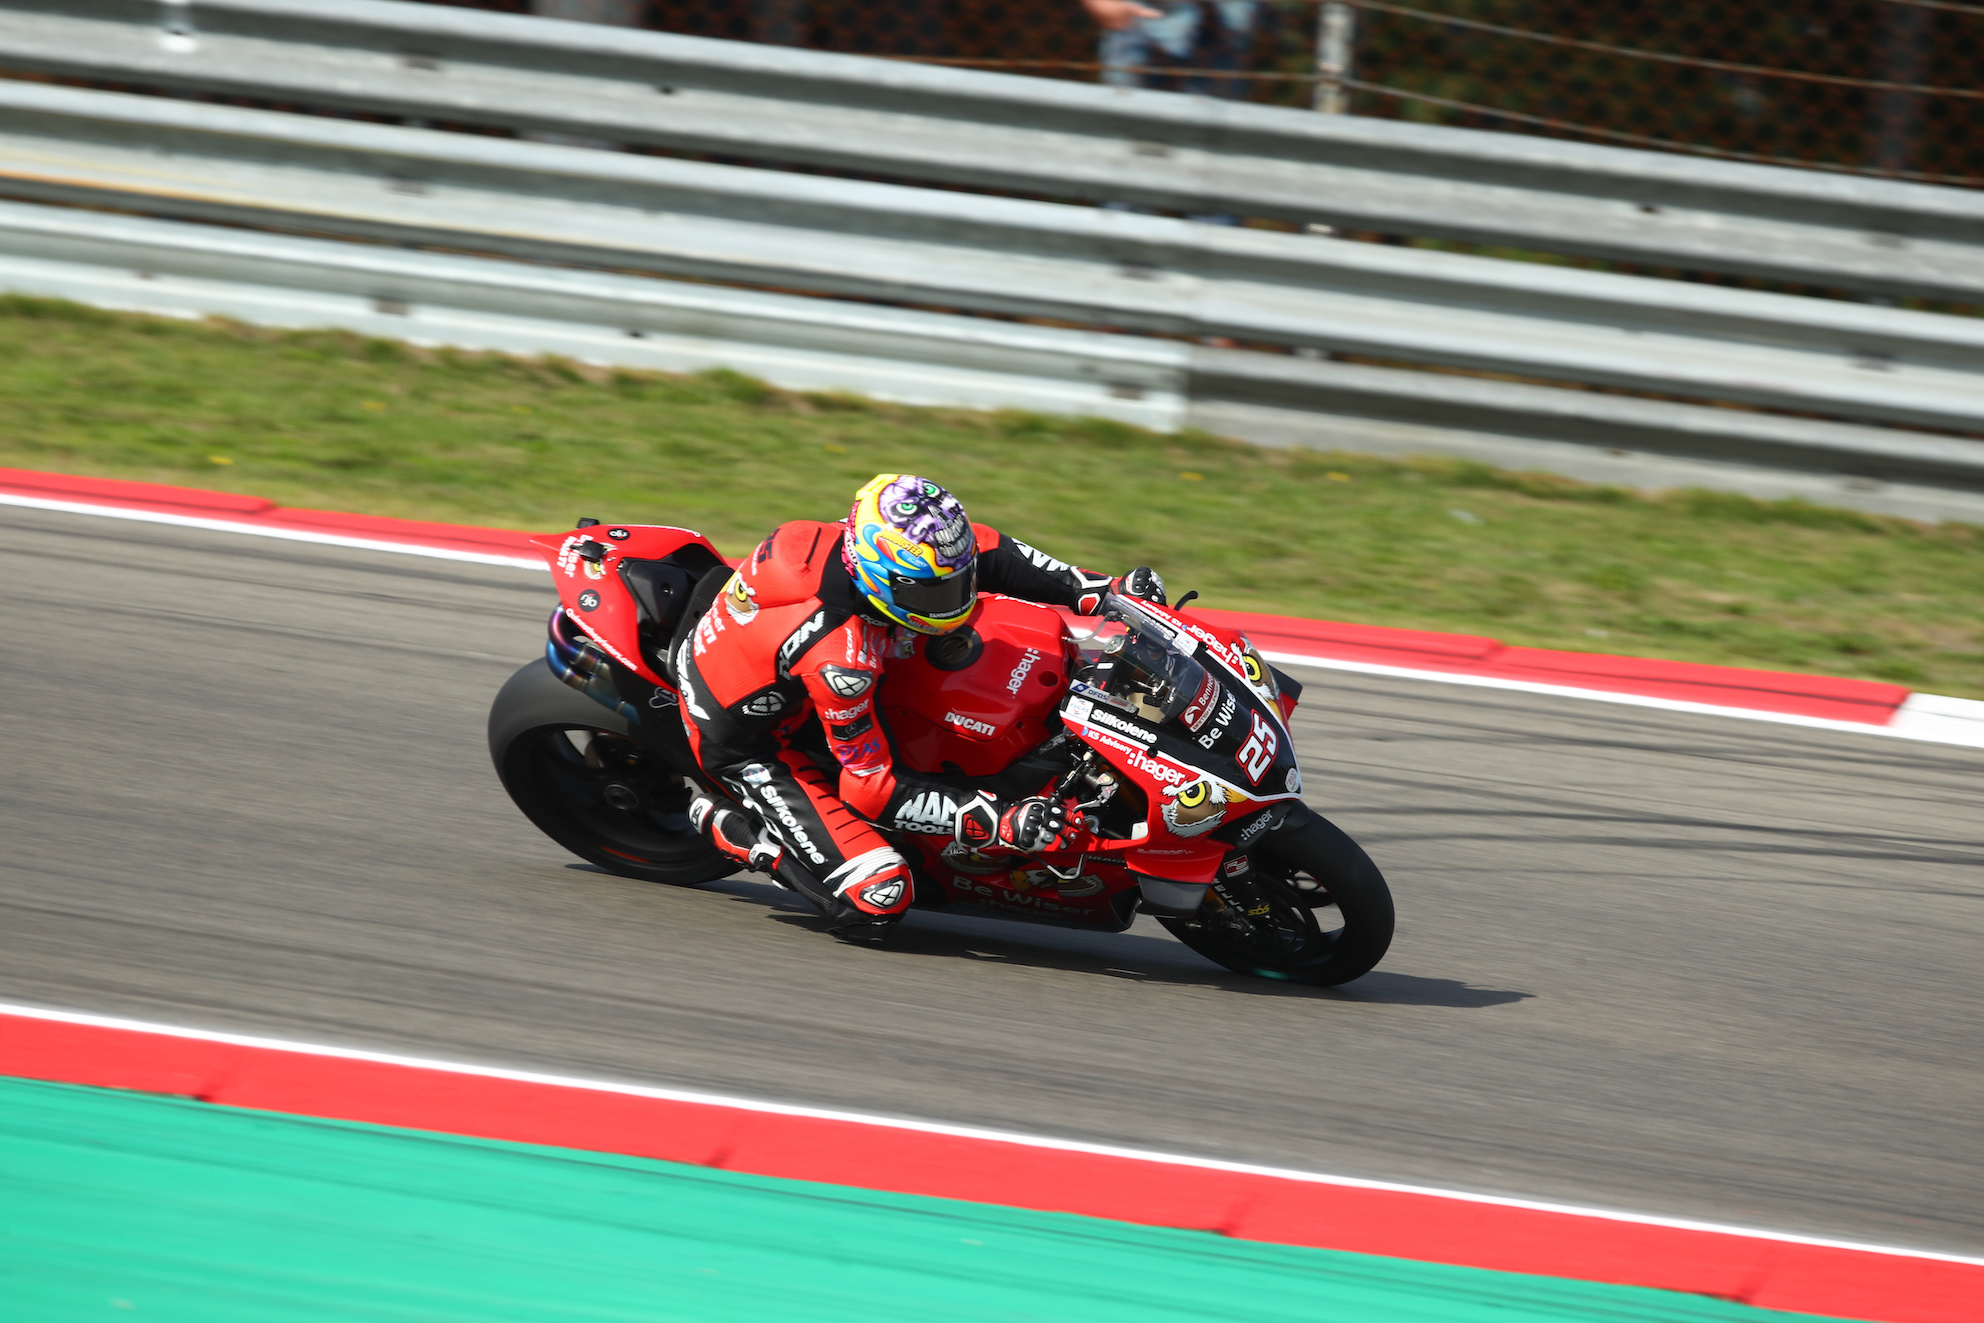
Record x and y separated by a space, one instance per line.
121 1205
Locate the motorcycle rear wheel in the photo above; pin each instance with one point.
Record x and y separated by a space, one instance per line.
1301 874
574 769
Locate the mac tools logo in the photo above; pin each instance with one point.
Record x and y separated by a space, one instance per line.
929 812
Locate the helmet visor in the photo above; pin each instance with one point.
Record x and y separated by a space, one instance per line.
935 599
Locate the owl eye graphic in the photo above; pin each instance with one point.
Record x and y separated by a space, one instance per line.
1196 808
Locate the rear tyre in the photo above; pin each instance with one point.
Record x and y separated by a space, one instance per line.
573 768
1313 909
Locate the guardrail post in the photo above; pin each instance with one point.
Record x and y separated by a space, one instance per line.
1895 121
175 27
779 22
617 13
613 13
1336 35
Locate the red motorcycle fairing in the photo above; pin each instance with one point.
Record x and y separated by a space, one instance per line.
975 699
590 567
995 678
1209 782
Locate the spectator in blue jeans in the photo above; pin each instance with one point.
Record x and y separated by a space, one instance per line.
1181 34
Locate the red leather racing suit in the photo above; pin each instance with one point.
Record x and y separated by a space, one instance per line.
785 639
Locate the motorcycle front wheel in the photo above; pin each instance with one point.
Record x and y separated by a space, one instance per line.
575 770
1312 909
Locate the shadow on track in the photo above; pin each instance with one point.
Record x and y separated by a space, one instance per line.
1139 958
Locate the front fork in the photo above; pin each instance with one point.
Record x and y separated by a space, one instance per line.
1237 901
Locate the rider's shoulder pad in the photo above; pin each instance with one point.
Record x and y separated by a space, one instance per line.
786 566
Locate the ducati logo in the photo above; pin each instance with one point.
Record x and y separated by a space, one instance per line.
976 727
846 683
764 705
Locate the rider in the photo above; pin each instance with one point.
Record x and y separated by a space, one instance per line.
802 629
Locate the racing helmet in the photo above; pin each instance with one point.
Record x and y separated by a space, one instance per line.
912 553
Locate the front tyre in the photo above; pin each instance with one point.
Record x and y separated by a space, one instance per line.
571 765
1312 909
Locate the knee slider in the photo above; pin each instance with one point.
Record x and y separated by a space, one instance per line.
877 882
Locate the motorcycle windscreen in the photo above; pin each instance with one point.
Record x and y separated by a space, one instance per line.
1169 679
935 599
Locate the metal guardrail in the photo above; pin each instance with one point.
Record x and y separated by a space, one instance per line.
1035 136
176 268
952 250
920 357
946 251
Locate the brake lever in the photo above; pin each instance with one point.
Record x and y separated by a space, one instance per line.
1077 838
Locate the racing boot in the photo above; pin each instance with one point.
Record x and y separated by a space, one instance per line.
735 832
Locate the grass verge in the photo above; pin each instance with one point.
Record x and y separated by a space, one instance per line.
339 421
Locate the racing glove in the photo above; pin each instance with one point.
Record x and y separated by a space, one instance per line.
1142 582
1028 826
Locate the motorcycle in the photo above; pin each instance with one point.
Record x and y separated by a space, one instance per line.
1167 739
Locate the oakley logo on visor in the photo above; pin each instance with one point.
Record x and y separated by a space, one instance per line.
934 598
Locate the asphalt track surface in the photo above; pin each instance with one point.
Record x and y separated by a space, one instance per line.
1651 961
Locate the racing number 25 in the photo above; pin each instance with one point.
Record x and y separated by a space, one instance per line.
1257 754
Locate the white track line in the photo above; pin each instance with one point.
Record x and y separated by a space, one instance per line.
268 530
1928 718
1950 729
957 1131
